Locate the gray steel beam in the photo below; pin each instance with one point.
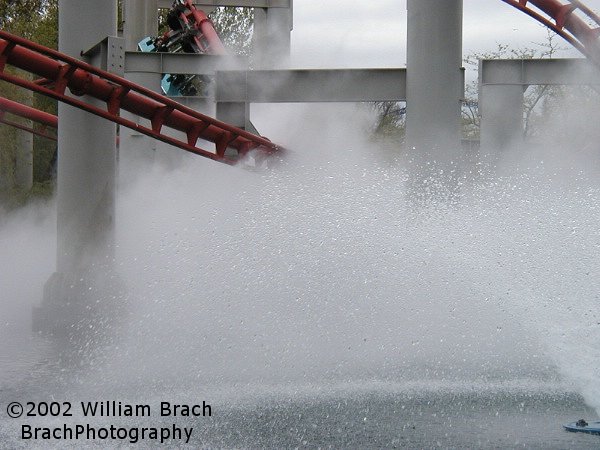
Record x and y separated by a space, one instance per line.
564 71
140 19
275 86
501 111
272 37
501 86
86 184
241 3
288 86
434 60
85 197
184 63
234 113
109 55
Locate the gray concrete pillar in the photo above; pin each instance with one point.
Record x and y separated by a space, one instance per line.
233 113
501 109
272 37
86 148
82 298
272 45
136 150
434 79
140 19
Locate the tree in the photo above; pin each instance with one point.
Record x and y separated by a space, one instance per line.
36 20
32 19
235 26
391 120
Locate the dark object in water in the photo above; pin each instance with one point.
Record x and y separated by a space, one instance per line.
582 426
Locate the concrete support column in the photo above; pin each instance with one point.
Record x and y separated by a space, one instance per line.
136 150
500 108
86 149
140 20
272 45
234 113
434 79
272 37
82 297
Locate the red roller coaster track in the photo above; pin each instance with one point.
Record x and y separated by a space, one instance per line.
574 21
41 117
60 71
205 37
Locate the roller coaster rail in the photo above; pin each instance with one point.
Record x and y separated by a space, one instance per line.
193 29
47 120
59 71
569 20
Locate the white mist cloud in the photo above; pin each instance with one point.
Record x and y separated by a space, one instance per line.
321 268
27 259
317 269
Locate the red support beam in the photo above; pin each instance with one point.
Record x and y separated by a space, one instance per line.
206 28
570 20
38 132
28 112
118 93
41 117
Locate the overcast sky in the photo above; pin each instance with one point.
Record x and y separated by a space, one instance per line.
372 33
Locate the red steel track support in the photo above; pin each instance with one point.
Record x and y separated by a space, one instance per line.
62 72
569 20
17 109
199 26
206 29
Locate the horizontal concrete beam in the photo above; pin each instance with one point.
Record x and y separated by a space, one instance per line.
185 63
244 3
527 72
289 86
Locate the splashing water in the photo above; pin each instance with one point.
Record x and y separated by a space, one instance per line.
322 278
323 269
